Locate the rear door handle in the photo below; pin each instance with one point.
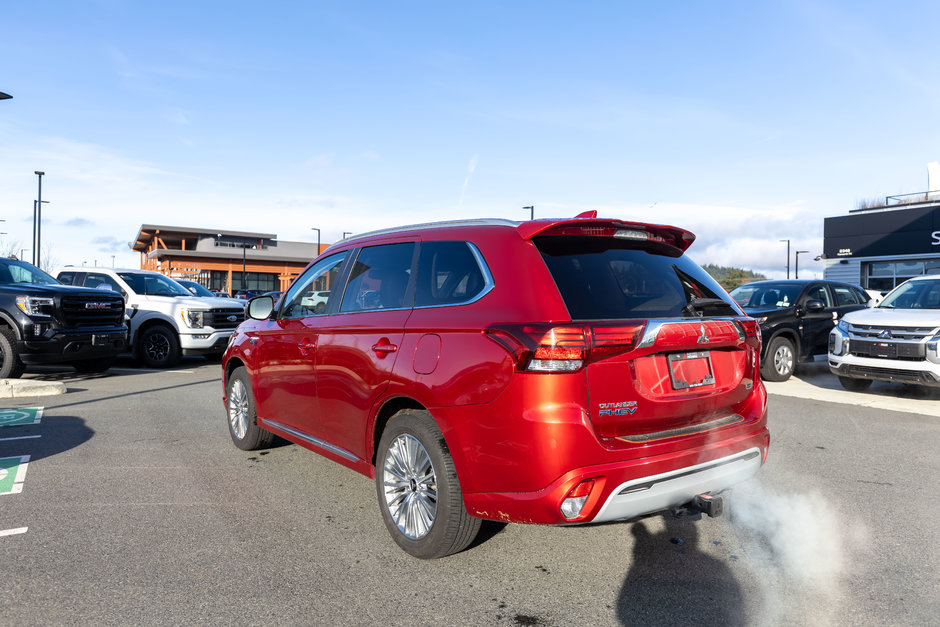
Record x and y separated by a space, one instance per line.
383 347
306 345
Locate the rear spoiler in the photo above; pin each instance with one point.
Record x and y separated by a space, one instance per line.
588 223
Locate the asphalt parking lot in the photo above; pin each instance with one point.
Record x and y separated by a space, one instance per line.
137 509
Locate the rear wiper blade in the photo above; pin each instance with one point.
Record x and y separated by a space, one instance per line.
697 304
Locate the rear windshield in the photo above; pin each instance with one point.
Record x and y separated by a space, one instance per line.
603 279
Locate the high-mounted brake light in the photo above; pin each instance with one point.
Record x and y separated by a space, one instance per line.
563 348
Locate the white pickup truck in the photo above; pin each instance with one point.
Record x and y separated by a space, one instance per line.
899 340
166 321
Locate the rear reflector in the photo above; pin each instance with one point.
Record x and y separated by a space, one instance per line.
563 348
573 504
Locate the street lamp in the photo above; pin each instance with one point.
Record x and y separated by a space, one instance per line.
37 221
798 262
345 233
313 228
788 256
531 209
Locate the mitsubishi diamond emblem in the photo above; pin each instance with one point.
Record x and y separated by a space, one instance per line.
702 339
886 334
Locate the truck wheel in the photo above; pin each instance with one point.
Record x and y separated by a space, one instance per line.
100 364
11 366
242 415
779 361
855 385
418 490
159 347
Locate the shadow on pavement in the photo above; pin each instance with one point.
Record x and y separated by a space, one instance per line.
672 582
57 435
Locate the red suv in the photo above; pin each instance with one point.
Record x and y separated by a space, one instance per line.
552 371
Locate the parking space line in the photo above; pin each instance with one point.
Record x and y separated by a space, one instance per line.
13 532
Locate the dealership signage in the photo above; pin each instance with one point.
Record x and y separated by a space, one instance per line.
883 233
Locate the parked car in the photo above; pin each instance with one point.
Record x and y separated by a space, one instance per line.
899 340
43 322
795 318
166 320
553 371
220 294
248 294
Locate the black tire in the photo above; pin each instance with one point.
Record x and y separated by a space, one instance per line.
779 360
418 490
11 366
855 385
159 347
90 366
241 413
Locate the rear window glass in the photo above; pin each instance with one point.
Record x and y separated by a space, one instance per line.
603 278
448 273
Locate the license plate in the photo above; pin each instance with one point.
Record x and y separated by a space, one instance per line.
884 350
100 340
691 370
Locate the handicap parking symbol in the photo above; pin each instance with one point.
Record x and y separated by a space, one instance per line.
20 416
12 474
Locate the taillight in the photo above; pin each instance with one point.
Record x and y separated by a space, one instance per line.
751 329
563 348
574 502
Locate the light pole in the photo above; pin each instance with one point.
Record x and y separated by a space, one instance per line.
531 209
37 221
797 266
313 228
788 256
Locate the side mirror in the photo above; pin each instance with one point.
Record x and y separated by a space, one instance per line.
814 304
261 307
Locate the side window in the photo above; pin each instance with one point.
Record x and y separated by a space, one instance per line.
67 278
310 294
379 278
95 281
845 296
820 292
448 273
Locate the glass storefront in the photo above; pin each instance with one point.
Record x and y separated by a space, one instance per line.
885 276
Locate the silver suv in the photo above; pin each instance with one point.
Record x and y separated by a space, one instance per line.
899 340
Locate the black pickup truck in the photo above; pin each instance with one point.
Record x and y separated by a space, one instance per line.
43 321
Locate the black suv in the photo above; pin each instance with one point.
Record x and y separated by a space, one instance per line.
43 321
795 318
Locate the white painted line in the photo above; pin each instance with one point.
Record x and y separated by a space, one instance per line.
13 532
21 437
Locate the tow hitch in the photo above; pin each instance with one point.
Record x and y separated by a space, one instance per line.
701 504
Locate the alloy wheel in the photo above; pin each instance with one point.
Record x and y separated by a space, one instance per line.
410 486
238 408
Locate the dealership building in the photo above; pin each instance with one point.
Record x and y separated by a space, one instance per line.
224 260
881 247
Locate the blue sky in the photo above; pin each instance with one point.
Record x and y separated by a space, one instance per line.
745 122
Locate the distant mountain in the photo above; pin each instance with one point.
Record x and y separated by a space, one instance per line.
730 278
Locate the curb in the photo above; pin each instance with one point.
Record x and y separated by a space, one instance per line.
18 388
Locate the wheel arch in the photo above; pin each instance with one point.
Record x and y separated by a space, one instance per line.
7 322
787 333
148 324
385 412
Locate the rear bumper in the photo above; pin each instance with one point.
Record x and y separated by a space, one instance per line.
646 495
635 487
